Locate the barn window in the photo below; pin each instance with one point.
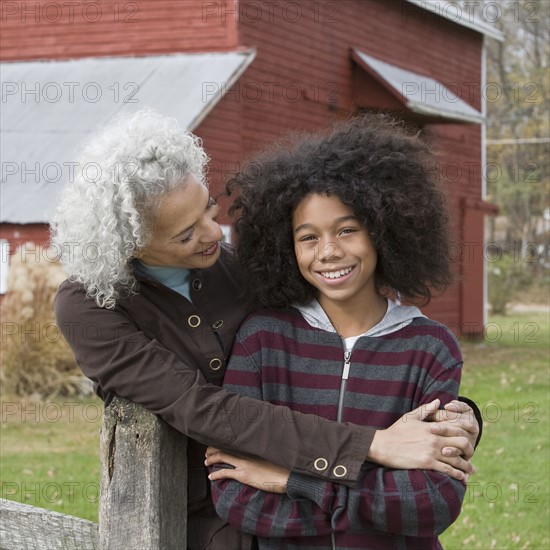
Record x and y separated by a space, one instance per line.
4 266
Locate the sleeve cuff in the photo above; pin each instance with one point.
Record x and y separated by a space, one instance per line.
362 437
301 486
477 414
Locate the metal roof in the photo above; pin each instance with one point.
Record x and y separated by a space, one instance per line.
421 94
48 108
473 15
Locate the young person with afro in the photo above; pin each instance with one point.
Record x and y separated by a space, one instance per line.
343 236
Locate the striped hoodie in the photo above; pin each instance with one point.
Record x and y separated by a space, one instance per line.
297 359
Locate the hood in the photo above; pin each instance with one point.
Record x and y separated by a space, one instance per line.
396 317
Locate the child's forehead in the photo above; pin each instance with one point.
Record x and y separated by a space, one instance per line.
315 206
318 199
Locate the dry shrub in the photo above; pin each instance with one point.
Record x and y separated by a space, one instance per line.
36 360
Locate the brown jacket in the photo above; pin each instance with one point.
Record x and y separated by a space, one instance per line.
160 350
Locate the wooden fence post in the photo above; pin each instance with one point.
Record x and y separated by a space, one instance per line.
143 502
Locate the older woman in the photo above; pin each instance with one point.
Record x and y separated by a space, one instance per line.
151 307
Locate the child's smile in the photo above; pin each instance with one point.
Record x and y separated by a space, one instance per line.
334 251
336 276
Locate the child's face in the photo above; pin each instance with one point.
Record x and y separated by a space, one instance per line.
334 251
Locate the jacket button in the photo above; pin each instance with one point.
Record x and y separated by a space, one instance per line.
194 321
215 364
217 324
340 471
197 284
321 464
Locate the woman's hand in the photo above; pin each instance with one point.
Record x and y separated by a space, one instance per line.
257 473
413 443
456 419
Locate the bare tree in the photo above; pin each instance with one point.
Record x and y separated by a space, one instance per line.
518 128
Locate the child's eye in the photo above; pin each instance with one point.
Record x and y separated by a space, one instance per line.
348 230
306 238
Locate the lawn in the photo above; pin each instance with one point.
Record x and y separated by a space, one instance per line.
507 501
49 451
49 454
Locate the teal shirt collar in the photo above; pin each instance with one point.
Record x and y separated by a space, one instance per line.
176 278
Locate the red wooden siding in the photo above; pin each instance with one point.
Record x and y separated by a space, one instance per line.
24 240
310 53
302 78
222 139
66 30
17 234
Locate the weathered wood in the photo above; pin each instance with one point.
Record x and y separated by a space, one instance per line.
24 527
143 502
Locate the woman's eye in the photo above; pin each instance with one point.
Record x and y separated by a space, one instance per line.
186 238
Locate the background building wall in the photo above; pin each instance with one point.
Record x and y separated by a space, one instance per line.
302 78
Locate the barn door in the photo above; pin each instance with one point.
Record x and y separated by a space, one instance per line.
473 279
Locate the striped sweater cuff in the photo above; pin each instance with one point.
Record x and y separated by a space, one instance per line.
301 486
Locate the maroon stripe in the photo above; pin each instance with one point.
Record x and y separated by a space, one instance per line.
416 330
309 380
410 358
394 388
264 340
393 505
241 378
424 508
238 507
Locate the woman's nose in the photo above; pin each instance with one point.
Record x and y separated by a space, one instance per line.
213 231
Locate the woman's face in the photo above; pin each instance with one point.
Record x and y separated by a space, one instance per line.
184 229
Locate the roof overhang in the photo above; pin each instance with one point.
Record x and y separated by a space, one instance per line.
49 107
417 93
466 15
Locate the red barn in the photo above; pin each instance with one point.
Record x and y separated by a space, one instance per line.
241 73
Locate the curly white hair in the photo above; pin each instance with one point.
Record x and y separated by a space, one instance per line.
104 213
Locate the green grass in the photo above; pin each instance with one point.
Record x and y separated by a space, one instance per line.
49 454
507 502
50 458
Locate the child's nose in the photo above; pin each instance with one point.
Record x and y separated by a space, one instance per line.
328 250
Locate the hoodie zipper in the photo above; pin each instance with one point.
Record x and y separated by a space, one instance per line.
343 384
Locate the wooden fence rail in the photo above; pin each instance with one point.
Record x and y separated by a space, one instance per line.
24 527
143 496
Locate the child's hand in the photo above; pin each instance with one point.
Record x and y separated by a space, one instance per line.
257 473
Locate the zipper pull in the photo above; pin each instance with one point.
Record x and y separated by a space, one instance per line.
347 364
